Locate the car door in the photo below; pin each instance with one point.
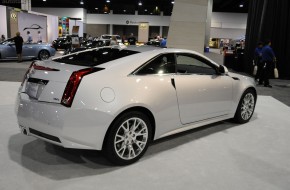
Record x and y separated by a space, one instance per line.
9 51
201 92
29 50
156 76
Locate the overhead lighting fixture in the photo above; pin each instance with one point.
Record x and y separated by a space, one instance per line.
124 10
145 10
140 3
81 2
96 8
43 0
241 5
172 2
108 1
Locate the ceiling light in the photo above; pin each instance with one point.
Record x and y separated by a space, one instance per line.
96 8
43 0
172 2
108 1
124 10
145 10
140 3
81 2
241 5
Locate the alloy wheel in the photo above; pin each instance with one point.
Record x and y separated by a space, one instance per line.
247 107
131 138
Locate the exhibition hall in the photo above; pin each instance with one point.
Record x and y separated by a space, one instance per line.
144 94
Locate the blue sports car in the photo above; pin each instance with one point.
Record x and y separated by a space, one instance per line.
41 51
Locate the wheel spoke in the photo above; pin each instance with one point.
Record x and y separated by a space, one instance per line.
247 107
131 138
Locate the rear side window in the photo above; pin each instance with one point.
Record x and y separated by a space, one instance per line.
162 64
95 57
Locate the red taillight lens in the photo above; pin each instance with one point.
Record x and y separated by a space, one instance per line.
42 68
36 67
25 75
73 84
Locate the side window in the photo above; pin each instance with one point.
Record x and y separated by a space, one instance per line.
192 64
163 64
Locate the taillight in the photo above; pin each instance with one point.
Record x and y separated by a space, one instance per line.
25 75
42 68
36 67
73 84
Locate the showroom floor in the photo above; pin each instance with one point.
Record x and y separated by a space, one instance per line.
219 156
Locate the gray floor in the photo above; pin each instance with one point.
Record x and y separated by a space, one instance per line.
220 156
216 157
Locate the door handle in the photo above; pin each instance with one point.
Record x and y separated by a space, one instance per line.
173 83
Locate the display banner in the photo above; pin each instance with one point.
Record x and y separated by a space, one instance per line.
32 23
143 32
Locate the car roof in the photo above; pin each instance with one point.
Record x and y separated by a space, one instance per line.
128 64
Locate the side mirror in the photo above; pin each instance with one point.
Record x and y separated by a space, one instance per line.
223 70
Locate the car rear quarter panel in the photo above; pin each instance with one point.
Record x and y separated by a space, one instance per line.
154 93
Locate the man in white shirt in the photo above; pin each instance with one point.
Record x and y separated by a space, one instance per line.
39 38
29 37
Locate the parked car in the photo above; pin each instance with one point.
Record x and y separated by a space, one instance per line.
62 42
109 37
153 42
29 50
119 101
87 45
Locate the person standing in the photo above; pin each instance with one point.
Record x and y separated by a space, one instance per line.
258 60
39 38
268 59
221 47
132 40
163 43
18 44
29 37
2 37
113 41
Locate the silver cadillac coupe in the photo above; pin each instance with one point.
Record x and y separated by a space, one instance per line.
119 100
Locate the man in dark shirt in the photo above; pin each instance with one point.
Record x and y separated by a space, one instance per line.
132 40
18 44
258 60
268 59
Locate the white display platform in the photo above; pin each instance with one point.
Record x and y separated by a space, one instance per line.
223 156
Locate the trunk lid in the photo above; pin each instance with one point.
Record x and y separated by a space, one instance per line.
46 81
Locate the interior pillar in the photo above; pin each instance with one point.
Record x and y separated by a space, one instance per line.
187 27
26 5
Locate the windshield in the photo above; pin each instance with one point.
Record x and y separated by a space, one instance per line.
95 57
8 41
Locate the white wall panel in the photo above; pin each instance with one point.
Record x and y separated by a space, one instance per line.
227 33
127 19
3 21
63 12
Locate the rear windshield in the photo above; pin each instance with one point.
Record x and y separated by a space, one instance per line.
95 57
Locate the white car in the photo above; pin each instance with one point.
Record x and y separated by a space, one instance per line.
109 37
120 100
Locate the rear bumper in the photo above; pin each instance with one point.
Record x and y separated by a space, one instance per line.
67 127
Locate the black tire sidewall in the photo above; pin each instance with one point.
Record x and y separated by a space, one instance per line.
42 51
238 118
109 148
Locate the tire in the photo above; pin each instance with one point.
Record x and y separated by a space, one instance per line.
43 55
124 144
246 107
